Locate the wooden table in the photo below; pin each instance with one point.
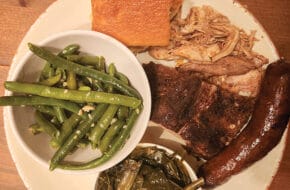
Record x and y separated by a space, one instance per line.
16 16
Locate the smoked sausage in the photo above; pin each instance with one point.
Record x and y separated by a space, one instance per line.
263 132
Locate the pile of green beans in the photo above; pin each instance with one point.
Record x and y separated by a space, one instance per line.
78 101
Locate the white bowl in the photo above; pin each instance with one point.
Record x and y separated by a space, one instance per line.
28 70
189 169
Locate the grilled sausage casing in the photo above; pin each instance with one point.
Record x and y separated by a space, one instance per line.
263 132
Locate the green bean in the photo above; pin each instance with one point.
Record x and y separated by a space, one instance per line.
45 109
71 80
35 129
102 64
116 145
47 71
123 112
102 125
82 70
81 144
104 122
66 130
111 71
51 81
85 88
70 49
84 59
51 72
59 113
76 136
122 77
90 67
38 100
110 134
73 58
73 95
97 85
62 73
47 126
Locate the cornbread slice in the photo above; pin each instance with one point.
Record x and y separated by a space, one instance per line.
133 22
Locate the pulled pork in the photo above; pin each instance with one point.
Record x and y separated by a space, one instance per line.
204 37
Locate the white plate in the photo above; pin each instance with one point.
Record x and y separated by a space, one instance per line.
74 14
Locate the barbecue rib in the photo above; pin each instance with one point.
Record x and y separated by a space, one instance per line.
204 115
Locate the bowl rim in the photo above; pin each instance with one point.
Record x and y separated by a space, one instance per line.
191 172
12 76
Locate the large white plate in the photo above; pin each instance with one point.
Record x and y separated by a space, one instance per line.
74 14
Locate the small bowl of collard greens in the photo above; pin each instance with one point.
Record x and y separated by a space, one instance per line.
149 166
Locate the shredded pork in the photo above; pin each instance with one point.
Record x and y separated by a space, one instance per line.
229 65
204 37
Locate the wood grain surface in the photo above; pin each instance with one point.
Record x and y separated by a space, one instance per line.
16 17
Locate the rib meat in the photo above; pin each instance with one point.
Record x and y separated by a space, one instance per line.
204 115
171 93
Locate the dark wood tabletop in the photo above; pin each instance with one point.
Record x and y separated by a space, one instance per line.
16 17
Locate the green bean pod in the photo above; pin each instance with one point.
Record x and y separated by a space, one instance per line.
59 113
102 125
123 112
45 109
111 72
47 126
102 64
38 100
66 130
110 134
115 147
71 80
85 88
84 59
97 85
122 77
82 70
73 95
70 49
51 81
62 73
47 71
75 137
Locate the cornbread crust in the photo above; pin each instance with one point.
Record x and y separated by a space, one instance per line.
133 22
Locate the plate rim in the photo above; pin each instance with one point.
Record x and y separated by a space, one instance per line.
50 7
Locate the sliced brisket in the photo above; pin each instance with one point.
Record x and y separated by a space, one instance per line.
204 115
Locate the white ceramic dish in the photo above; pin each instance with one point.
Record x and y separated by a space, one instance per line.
191 172
257 177
94 43
189 169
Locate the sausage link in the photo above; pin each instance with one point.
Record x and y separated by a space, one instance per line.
263 132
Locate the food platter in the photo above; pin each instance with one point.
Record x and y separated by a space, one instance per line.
36 176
